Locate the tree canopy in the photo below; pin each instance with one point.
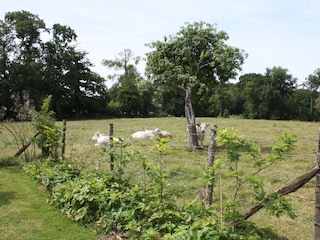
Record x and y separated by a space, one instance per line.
196 59
32 69
196 55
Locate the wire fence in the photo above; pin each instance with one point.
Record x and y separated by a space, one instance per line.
182 171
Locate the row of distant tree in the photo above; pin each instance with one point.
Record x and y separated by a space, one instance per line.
196 57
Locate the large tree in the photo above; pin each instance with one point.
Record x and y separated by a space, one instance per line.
75 88
278 90
127 94
196 57
31 69
21 48
268 96
7 48
313 84
251 86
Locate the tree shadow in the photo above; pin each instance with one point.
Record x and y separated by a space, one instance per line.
263 232
11 161
266 150
267 233
6 197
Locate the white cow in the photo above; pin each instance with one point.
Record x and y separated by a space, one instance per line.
201 132
102 140
146 134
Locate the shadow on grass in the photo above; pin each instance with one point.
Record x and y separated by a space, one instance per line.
12 161
267 233
265 149
6 197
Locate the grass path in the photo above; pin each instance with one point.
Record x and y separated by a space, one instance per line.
25 215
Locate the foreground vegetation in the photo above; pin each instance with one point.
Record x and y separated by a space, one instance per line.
182 177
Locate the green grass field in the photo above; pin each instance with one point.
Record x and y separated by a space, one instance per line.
185 167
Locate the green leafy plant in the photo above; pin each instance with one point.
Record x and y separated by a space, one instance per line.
242 164
121 157
49 135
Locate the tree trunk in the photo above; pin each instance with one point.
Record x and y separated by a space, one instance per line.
192 133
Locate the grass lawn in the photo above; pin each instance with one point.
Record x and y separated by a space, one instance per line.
24 213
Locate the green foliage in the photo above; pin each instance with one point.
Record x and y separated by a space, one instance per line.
127 95
196 54
121 157
268 96
51 172
49 134
283 145
278 206
35 69
236 166
197 57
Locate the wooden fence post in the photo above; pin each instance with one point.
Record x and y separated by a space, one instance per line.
64 128
211 158
316 234
111 147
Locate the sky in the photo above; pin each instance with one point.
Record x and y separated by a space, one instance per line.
282 33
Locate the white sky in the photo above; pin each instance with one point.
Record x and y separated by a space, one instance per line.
283 33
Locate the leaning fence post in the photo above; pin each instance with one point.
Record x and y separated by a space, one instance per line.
63 148
211 158
316 234
111 147
24 147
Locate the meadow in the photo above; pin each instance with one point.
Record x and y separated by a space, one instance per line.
185 167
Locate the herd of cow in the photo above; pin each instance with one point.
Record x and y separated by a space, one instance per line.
104 140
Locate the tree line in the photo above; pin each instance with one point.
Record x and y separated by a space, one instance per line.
196 58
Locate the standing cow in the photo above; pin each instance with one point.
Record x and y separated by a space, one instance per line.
201 132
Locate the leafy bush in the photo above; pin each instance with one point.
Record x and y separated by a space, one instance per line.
51 172
49 135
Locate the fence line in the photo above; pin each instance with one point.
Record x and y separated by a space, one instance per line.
280 175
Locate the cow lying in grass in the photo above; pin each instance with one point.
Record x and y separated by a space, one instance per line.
102 140
146 134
